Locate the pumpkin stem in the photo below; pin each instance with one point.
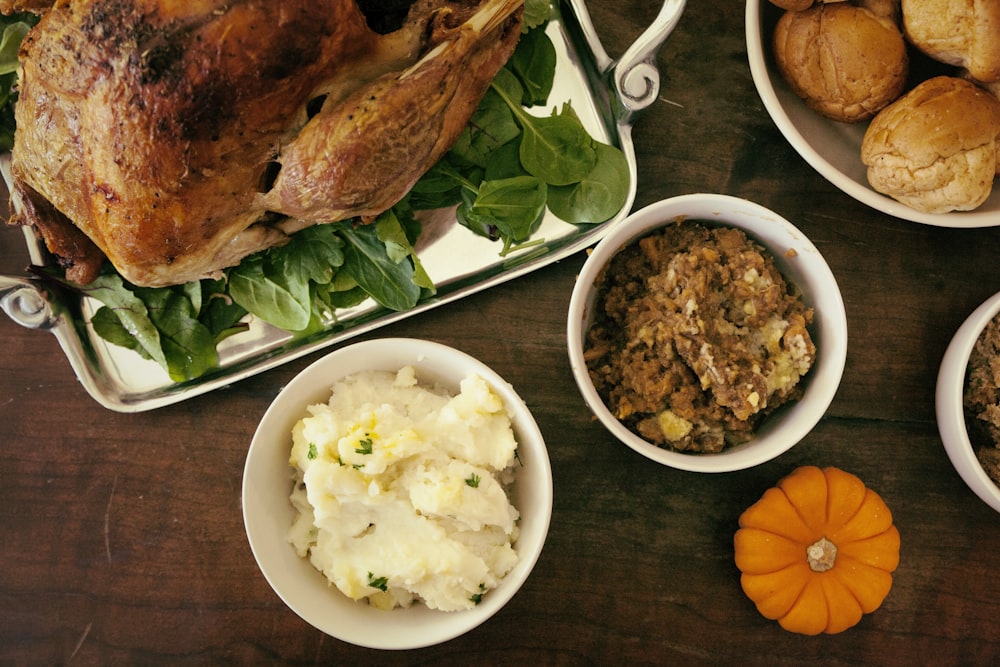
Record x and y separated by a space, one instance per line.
821 555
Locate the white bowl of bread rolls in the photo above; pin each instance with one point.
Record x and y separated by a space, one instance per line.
895 102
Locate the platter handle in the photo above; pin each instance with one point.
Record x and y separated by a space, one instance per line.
26 303
634 77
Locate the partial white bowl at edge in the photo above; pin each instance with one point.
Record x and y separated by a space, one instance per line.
268 513
805 267
949 396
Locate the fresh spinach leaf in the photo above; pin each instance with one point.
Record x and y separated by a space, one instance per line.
10 42
436 189
15 27
278 285
219 312
514 205
391 232
491 126
534 63
311 254
159 324
284 303
367 261
188 345
192 290
505 162
130 311
107 325
475 222
344 298
556 148
599 196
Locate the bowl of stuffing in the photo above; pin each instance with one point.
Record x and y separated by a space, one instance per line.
967 401
707 333
397 493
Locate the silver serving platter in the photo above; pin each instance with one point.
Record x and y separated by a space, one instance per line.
605 93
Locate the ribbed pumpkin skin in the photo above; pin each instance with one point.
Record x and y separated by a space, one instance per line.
822 509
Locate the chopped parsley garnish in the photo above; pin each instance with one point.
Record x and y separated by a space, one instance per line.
366 446
473 481
476 598
312 454
381 583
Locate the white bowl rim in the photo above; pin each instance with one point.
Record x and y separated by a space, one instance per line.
949 398
824 379
417 626
861 192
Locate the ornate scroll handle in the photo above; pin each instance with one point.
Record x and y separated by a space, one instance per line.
25 303
635 75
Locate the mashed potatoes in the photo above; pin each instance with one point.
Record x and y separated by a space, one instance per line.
401 490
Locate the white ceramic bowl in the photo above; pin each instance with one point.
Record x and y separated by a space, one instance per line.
268 514
806 269
948 403
832 148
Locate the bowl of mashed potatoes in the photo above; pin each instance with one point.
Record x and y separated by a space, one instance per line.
397 493
707 333
967 401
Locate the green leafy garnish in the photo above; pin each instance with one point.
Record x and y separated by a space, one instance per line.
381 583
555 148
367 261
534 63
598 195
15 27
476 598
365 446
511 207
312 453
280 285
473 481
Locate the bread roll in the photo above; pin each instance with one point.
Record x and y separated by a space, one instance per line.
936 148
844 61
965 33
887 8
890 9
799 5
793 5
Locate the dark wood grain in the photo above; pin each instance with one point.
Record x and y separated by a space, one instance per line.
122 534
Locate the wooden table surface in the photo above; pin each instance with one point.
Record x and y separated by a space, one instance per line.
122 534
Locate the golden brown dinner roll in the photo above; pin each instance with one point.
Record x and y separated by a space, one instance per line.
993 87
799 5
965 33
844 61
935 149
890 9
793 5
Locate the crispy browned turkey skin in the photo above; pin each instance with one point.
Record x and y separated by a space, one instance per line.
175 137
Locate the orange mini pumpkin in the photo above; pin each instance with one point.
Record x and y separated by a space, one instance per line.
817 551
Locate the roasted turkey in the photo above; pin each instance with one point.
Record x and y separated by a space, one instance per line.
175 137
